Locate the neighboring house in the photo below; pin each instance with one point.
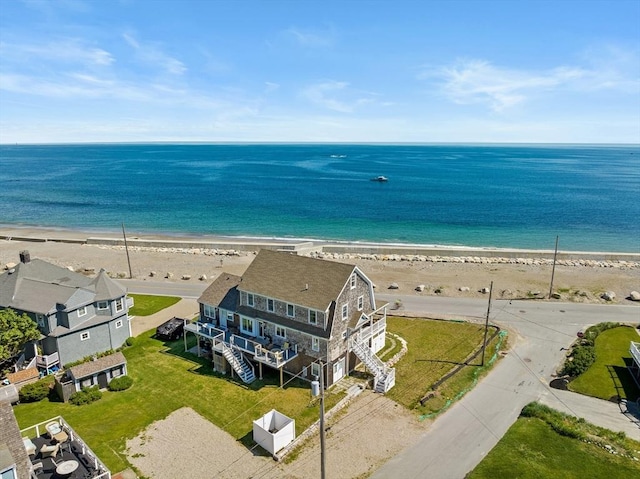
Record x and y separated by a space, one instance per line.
14 461
290 312
634 367
78 316
98 372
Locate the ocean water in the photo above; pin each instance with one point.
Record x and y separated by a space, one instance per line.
470 195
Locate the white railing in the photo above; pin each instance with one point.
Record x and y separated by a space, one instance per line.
370 331
635 352
275 358
40 429
47 360
204 329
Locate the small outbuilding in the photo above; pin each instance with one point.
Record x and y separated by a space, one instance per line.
98 372
274 431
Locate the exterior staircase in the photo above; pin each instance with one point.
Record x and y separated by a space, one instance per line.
385 378
240 365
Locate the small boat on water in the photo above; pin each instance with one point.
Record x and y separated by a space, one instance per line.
380 179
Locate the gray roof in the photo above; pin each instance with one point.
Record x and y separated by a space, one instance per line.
11 446
94 367
309 282
223 292
37 286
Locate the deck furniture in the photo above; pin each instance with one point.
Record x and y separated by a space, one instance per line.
29 446
55 431
49 450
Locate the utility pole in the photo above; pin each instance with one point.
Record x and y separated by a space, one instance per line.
322 450
553 270
126 247
486 324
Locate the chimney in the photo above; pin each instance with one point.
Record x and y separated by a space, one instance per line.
25 257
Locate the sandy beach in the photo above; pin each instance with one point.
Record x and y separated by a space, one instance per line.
580 277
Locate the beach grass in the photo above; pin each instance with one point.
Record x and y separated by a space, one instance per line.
166 379
552 445
609 377
146 304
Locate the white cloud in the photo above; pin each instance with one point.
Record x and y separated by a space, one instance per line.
314 39
64 50
336 96
151 54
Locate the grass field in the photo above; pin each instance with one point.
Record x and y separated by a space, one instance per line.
145 305
434 348
608 376
532 449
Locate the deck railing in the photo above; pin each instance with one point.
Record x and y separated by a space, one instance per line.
46 361
635 352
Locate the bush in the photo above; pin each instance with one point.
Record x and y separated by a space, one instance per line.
130 341
85 396
35 391
583 357
594 331
120 383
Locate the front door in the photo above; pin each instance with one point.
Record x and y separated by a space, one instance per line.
338 370
261 329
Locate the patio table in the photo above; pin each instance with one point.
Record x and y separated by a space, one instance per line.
66 468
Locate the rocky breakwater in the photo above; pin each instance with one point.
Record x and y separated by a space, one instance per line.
478 260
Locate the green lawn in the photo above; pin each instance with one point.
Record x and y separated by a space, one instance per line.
434 349
531 448
145 305
166 379
609 376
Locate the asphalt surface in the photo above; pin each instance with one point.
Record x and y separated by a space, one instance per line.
539 332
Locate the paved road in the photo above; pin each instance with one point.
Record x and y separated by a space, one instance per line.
460 438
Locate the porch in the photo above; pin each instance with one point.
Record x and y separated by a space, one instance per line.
275 354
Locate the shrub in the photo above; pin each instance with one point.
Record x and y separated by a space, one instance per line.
35 391
85 396
583 357
120 383
130 341
592 333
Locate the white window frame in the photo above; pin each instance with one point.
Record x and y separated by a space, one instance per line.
345 311
85 335
82 311
118 323
105 303
353 281
247 321
271 305
291 307
229 316
315 370
120 302
40 319
209 311
344 335
281 332
360 303
315 343
315 317
250 299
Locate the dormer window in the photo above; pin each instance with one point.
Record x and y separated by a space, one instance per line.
119 305
250 299
313 317
270 306
82 311
291 310
102 305
353 281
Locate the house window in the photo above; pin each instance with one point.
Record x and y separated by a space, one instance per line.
315 344
119 305
118 323
40 319
290 310
270 305
229 316
250 299
84 336
209 311
360 303
102 305
82 311
281 332
315 370
344 335
353 280
345 311
247 325
313 317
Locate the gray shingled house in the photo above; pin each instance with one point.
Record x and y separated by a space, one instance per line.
290 312
78 316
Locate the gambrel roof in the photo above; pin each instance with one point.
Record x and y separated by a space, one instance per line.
309 282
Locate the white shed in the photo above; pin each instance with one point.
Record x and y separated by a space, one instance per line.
273 431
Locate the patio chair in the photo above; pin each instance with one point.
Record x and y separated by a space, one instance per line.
55 431
29 446
49 450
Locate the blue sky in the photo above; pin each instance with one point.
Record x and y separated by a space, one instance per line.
561 71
